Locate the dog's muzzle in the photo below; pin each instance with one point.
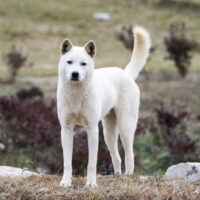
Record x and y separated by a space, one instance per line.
75 76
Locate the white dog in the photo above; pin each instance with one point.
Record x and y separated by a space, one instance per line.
85 96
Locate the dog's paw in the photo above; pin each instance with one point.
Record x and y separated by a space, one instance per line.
129 171
91 184
65 183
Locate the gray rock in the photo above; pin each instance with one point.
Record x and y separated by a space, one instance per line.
102 16
187 171
7 171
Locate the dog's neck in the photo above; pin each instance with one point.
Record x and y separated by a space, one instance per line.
75 95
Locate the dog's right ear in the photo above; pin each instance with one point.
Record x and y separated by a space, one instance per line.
66 46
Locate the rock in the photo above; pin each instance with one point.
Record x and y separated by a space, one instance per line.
43 170
7 171
144 179
102 16
187 171
43 190
2 146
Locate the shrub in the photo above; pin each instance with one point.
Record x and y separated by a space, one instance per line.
15 60
30 126
25 94
142 127
31 133
174 130
179 48
126 37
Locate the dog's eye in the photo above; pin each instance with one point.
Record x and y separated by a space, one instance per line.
69 62
83 64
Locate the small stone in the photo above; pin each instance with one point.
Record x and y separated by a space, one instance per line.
144 179
102 16
43 170
2 146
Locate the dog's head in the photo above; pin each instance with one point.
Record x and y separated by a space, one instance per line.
76 63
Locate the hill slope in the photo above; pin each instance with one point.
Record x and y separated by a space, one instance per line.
40 27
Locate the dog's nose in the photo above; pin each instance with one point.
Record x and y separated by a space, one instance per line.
75 76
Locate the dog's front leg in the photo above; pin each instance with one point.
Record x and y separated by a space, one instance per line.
93 141
67 145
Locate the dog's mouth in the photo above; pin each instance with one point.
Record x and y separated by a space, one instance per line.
74 79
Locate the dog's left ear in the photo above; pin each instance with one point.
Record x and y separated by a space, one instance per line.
90 48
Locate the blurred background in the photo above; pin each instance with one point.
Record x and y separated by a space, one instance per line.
30 36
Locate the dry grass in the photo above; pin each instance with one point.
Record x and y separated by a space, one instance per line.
110 187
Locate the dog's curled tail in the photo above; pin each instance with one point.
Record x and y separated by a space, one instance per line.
142 45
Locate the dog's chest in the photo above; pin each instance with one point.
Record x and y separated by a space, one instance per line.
74 106
76 119
75 113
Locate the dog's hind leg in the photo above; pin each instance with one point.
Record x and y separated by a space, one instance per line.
111 139
127 118
127 137
127 126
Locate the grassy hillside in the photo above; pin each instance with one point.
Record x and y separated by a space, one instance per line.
38 29
110 187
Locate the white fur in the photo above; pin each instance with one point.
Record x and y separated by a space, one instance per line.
107 94
140 51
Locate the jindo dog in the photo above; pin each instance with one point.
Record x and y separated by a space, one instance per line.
85 96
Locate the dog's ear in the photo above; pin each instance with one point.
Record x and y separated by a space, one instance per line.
66 46
90 48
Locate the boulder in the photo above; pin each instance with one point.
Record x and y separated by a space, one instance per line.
188 171
7 171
